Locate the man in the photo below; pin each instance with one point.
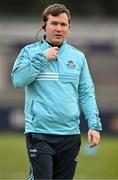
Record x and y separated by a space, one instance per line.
56 78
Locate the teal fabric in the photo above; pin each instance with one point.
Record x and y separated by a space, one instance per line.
53 89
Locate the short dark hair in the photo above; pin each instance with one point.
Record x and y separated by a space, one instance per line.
55 10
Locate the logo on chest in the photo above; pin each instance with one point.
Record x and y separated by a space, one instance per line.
71 64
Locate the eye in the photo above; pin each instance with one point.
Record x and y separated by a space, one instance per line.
54 23
63 24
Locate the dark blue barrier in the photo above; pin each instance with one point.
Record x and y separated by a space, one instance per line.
109 123
13 119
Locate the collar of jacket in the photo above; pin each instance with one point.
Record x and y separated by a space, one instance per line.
47 45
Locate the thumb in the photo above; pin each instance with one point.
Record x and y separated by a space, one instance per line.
89 137
56 47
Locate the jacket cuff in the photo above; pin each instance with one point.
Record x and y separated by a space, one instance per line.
97 127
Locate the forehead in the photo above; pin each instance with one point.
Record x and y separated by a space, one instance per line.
60 18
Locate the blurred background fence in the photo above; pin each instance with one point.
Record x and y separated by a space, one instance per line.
97 38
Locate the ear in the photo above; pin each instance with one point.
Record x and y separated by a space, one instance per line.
43 25
69 28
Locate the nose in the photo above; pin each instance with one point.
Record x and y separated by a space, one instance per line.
58 27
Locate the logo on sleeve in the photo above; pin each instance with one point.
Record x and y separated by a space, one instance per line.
71 64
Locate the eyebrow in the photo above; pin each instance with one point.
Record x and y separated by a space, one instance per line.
64 23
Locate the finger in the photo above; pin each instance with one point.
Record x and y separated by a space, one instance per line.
92 145
96 139
94 142
55 48
89 138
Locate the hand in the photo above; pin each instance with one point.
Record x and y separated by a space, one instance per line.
51 53
93 137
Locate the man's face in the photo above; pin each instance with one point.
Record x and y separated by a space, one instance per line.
57 28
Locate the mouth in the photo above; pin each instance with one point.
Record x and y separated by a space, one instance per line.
58 36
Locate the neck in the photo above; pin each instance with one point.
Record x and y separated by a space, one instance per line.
52 43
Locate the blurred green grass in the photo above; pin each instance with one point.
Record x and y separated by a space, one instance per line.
101 164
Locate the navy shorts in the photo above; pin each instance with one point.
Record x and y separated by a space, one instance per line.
52 156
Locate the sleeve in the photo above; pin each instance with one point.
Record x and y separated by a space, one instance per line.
25 70
87 100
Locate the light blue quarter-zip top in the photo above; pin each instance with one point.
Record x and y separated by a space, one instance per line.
55 90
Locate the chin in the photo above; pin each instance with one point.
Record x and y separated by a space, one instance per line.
57 42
